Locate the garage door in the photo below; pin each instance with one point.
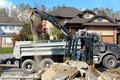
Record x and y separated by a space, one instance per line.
109 39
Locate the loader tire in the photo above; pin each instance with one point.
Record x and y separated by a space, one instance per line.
29 66
109 61
46 63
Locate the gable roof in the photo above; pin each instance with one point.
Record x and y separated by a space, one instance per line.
111 23
76 20
117 16
101 15
5 20
67 12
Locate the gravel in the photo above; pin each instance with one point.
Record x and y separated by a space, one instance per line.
5 56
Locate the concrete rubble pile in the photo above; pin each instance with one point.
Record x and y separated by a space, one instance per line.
74 70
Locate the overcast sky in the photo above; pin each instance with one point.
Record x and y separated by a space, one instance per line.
112 4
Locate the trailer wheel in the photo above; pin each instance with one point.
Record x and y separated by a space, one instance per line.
8 61
16 62
109 61
29 66
46 63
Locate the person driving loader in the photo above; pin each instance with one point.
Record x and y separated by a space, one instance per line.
81 50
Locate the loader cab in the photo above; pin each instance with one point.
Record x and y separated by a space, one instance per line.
91 47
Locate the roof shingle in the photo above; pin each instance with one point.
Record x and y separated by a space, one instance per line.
101 24
4 20
76 20
68 12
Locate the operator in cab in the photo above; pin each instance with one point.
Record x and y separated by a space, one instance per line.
82 48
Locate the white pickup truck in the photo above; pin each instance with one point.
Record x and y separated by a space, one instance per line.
42 54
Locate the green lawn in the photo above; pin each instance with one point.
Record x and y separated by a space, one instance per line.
6 50
118 70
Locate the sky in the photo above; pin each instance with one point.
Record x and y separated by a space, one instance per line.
79 4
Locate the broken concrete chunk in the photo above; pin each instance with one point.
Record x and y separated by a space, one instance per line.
60 71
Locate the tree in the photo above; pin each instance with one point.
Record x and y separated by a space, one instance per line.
46 36
106 11
60 36
14 12
96 10
24 34
22 6
3 11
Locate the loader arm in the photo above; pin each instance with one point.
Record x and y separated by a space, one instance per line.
55 22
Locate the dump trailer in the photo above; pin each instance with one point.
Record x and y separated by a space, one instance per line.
44 53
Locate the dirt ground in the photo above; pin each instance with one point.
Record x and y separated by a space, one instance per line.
113 74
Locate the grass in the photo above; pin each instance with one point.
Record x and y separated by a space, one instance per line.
117 70
6 50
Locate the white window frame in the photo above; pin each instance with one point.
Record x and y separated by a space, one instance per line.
8 40
11 28
87 15
99 19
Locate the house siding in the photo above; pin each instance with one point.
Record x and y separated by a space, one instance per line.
106 32
0 41
4 44
8 31
103 20
90 16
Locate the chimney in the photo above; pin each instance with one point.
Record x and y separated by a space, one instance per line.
43 8
100 12
113 17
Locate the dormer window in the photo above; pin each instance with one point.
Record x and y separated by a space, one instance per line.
99 19
87 15
65 20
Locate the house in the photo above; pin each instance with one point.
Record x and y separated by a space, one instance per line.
116 19
104 26
1 32
77 22
87 19
9 26
98 23
63 14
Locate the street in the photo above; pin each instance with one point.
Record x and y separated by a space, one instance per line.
16 72
19 71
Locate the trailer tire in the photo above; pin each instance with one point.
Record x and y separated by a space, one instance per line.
29 66
8 61
46 63
109 61
16 62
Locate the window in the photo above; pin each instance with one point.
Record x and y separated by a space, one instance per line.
87 14
5 27
99 19
8 40
65 20
11 28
